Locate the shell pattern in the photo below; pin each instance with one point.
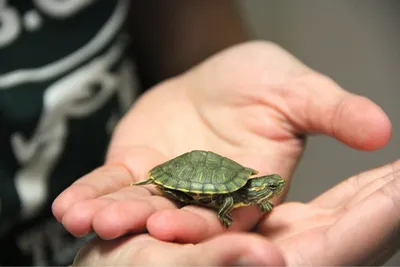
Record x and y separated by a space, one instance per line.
201 172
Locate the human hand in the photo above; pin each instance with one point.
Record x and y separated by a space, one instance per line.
355 223
253 103
231 249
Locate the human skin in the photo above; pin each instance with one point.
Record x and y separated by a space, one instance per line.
253 102
354 223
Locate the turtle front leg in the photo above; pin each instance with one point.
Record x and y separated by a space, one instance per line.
175 195
224 213
266 206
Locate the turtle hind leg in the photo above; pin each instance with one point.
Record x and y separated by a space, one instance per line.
224 213
143 182
266 206
175 195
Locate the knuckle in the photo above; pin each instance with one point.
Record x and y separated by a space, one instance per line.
67 199
78 210
310 77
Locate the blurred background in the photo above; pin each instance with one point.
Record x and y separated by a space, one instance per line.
356 42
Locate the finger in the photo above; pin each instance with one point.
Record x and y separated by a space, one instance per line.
225 250
85 215
346 190
193 224
123 217
318 105
107 179
368 228
78 219
101 181
372 187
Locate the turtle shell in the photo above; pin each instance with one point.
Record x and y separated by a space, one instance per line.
201 172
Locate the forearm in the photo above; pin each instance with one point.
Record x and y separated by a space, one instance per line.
171 36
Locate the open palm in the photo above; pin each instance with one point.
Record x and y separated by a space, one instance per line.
253 103
355 223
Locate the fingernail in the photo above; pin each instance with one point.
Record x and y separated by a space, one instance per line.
112 237
246 261
81 235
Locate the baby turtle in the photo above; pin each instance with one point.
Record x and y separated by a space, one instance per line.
208 179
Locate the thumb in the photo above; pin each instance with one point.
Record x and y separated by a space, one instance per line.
233 249
319 105
144 250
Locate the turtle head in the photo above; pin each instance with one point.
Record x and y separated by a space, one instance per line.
262 188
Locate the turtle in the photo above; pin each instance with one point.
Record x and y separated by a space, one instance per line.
208 179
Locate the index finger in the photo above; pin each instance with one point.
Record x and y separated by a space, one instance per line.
346 190
374 221
114 175
101 181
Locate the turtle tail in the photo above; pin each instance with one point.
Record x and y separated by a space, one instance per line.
143 182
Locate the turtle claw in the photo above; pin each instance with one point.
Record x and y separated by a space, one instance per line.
266 206
226 220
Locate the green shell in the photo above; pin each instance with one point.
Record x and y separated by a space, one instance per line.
201 172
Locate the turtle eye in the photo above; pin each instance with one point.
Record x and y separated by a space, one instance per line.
272 186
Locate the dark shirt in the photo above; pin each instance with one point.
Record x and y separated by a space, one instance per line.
65 80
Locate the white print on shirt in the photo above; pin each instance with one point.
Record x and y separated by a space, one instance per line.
126 94
56 68
32 20
10 20
51 238
10 26
62 9
70 97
